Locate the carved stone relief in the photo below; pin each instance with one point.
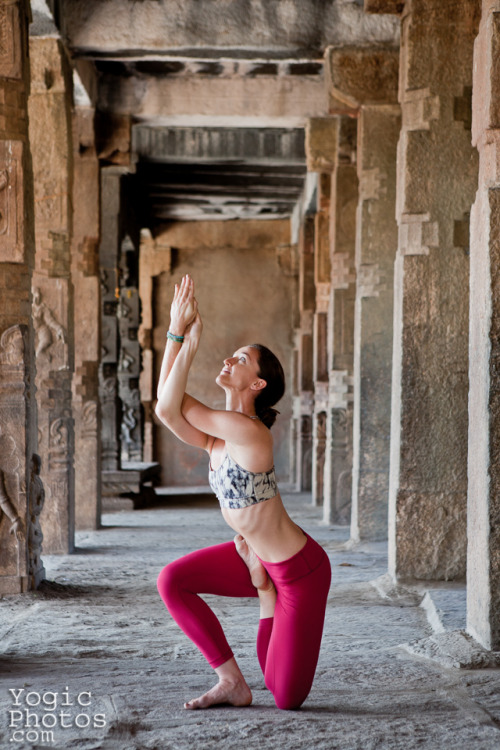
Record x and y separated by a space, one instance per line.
10 41
11 201
12 346
48 331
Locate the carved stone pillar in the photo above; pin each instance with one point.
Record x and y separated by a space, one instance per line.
21 491
85 275
110 295
376 245
343 201
129 360
303 404
321 150
50 124
483 557
154 260
436 183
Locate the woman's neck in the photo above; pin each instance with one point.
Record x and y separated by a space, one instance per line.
240 402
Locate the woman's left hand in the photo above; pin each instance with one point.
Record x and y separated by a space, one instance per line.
194 330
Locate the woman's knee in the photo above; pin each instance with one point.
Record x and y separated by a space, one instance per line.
168 581
289 701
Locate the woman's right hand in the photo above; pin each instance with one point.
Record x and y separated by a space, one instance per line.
184 306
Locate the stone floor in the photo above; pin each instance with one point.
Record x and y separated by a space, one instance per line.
93 660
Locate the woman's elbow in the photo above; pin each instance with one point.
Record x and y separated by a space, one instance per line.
163 413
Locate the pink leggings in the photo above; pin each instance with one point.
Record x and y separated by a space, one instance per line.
287 644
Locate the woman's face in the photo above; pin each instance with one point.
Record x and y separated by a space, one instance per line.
240 370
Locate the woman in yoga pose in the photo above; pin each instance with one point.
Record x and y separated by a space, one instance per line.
270 557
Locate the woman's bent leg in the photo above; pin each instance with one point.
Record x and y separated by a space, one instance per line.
214 570
302 584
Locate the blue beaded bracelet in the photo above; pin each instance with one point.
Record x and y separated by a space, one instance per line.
173 337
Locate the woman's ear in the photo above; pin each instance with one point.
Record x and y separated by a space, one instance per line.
258 385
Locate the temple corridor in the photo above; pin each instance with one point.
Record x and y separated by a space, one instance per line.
329 175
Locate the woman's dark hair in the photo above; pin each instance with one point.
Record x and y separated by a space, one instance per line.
271 371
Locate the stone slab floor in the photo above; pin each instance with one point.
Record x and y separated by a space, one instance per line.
93 660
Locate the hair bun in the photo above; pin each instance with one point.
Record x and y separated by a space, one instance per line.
267 415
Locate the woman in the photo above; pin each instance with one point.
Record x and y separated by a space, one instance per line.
270 557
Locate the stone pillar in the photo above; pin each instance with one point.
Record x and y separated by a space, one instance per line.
303 403
437 179
364 82
340 349
376 245
85 275
129 360
321 150
154 259
21 490
483 551
50 137
110 295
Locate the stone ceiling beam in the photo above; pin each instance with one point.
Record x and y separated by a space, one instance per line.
242 28
204 97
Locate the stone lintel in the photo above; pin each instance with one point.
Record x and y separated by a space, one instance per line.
361 75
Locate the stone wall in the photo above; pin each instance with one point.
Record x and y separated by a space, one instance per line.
245 296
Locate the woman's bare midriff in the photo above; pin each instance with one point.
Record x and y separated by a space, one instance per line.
267 528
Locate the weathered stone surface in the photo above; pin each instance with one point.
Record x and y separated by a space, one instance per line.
376 245
454 649
357 76
435 189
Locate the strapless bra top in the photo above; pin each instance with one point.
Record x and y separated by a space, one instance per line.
236 487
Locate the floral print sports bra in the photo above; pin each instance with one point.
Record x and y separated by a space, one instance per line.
236 487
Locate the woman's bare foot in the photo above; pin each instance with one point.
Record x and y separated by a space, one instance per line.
235 694
258 573
231 688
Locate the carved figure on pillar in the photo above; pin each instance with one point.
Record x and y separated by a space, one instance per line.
46 326
8 510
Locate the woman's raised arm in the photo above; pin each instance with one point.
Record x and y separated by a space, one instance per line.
169 408
182 312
